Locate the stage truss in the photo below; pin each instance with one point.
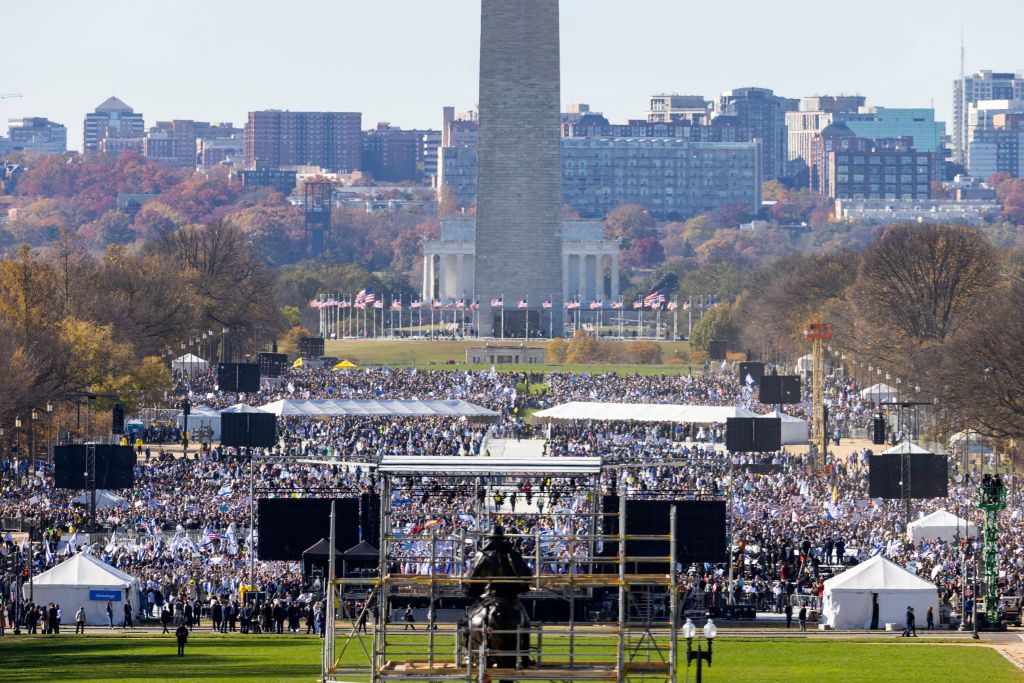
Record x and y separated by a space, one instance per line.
564 549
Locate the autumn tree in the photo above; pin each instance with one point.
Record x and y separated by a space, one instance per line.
629 222
716 324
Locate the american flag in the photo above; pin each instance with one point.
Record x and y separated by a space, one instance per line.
361 299
370 298
460 304
673 305
378 304
523 303
475 306
344 303
686 304
617 305
497 302
436 303
396 304
546 304
639 303
594 305
415 304
656 297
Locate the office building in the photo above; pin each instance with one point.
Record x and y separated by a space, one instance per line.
666 108
862 168
886 122
519 184
35 134
996 142
983 85
672 178
763 114
177 142
391 154
330 140
113 119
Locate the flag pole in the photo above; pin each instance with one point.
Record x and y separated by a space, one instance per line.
502 316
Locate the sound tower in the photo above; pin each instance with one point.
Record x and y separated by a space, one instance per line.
117 419
878 430
115 467
311 347
897 476
238 377
700 530
754 370
248 430
272 364
753 434
779 390
287 526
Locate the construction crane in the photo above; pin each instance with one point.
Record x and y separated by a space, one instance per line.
10 95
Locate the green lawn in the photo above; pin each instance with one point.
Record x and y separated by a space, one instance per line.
234 657
436 355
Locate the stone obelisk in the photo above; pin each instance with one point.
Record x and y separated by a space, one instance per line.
519 182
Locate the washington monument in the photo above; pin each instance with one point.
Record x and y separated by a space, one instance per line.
519 186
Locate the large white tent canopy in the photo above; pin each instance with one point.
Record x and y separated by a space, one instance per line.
105 500
794 430
849 597
905 448
642 412
940 525
879 393
201 416
85 581
409 408
189 363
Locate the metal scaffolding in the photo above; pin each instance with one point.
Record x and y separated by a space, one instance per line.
569 552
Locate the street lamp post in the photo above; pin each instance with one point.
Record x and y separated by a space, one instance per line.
689 631
17 462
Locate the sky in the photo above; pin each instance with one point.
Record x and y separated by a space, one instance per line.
402 60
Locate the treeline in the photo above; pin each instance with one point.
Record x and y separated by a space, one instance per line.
73 322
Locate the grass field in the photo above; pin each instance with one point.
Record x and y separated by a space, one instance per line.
437 355
235 657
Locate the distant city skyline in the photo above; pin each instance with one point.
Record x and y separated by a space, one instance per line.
402 60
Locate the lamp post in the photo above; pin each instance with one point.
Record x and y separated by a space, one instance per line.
689 631
32 417
17 449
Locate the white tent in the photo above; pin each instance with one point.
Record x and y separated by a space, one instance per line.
642 412
105 500
804 364
242 408
794 430
200 416
189 363
879 393
977 443
409 408
905 447
85 581
849 596
940 525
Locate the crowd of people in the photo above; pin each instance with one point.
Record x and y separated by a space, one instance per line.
185 531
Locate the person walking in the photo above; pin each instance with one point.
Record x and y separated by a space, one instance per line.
789 614
3 618
929 619
110 615
911 628
409 618
802 617
127 616
182 636
364 615
80 621
165 617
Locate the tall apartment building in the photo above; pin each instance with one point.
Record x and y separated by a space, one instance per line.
665 108
983 85
805 125
928 134
391 154
112 120
36 134
330 140
719 129
996 141
763 113
862 168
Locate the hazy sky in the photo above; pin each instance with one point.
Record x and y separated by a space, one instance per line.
402 60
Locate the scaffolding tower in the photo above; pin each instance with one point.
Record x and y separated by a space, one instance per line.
818 334
991 499
572 554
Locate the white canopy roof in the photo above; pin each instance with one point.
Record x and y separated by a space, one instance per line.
642 412
878 392
794 429
877 575
242 408
905 447
482 465
84 570
411 408
189 362
940 525
104 500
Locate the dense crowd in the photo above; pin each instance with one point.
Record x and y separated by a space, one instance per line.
184 529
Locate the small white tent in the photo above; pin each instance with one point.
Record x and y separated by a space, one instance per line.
794 430
879 393
189 363
200 416
105 500
85 581
849 597
940 525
